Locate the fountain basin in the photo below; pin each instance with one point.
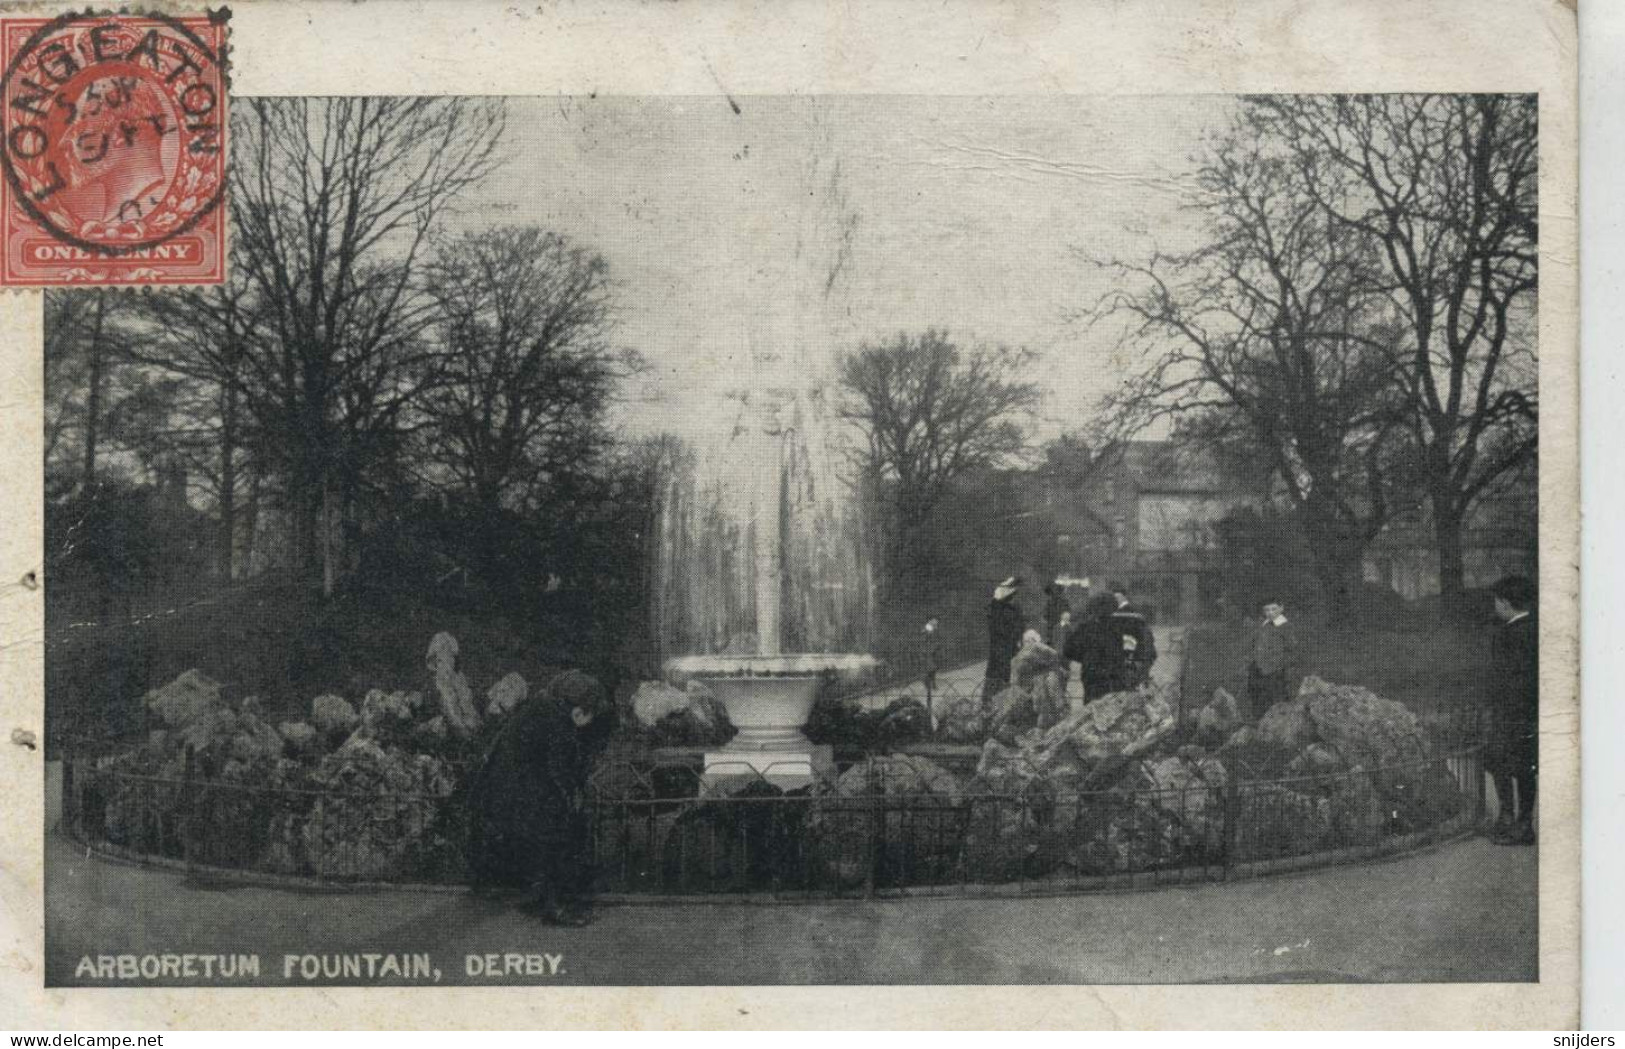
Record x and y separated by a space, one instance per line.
768 712
768 698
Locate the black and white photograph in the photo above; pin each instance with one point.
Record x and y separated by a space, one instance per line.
809 539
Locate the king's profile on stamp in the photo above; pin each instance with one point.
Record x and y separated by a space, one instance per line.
113 149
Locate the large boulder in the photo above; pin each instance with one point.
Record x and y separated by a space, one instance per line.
190 696
1357 814
254 739
898 774
676 717
1013 712
1279 821
1162 812
1317 759
1120 725
1088 749
653 700
1416 797
962 720
707 712
1108 732
1218 718
1125 833
333 716
732 845
455 695
1250 756
1006 831
387 718
1361 725
1186 785
1007 767
385 808
506 694
1286 725
301 738
380 709
207 731
904 811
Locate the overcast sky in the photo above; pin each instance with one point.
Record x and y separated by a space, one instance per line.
748 248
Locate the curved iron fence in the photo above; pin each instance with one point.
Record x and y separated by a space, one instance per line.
651 839
661 829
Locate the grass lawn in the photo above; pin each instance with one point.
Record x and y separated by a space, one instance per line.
1434 667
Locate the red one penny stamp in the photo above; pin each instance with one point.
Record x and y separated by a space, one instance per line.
113 149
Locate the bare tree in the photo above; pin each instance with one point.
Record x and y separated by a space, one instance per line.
1273 334
94 406
931 413
1445 187
203 335
523 319
333 201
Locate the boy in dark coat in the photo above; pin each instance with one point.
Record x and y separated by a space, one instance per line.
1272 656
1136 647
527 820
1005 624
1512 752
1096 647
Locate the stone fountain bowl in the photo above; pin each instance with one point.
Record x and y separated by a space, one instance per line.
768 698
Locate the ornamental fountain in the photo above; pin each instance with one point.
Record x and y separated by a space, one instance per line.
764 588
764 583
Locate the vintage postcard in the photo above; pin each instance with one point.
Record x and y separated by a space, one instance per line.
675 508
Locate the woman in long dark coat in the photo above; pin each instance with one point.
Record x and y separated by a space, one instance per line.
527 820
1005 624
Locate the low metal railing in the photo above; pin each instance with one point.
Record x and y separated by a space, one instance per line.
660 828
825 840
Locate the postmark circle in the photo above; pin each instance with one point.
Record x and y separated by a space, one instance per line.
119 136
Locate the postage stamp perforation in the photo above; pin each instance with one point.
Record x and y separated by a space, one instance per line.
114 147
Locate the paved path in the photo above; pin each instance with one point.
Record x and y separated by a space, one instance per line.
1459 912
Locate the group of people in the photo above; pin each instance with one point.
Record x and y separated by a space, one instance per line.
1110 641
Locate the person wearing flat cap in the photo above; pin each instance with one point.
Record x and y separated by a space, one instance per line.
1005 624
527 821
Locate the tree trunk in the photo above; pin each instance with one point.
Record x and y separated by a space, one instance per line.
1339 565
251 521
304 507
1447 528
329 554
93 397
228 483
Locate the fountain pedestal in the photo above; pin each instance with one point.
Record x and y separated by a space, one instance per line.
769 713
729 770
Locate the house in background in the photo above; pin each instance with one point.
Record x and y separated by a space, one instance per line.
1149 519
